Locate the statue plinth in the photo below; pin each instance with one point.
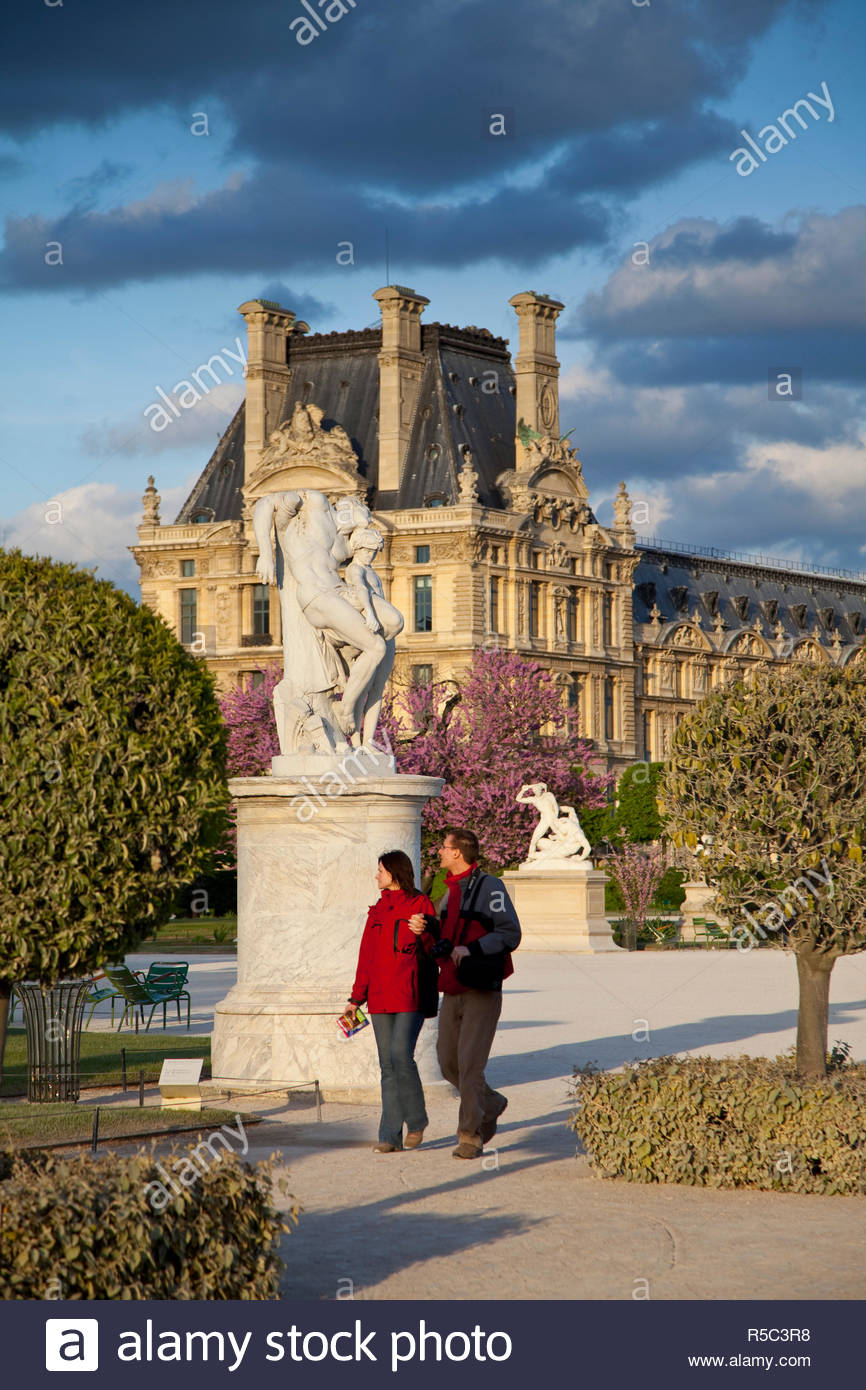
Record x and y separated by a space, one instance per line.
307 856
560 904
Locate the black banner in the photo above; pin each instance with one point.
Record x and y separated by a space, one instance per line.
413 1344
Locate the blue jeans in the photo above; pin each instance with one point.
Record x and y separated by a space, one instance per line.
402 1092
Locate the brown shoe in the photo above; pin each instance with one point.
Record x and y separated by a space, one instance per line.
465 1150
385 1149
488 1128
413 1139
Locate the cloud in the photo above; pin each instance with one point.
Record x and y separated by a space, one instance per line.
146 241
91 524
739 278
86 188
346 135
201 424
709 466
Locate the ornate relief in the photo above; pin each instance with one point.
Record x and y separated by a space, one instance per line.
687 637
747 644
546 406
808 651
700 672
303 441
223 616
560 556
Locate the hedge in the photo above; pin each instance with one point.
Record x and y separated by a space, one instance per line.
732 1122
79 1228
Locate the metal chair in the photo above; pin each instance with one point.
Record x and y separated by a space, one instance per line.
136 993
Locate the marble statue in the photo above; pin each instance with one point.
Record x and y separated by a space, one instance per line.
338 633
558 834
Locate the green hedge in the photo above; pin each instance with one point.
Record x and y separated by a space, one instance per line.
78 1228
733 1122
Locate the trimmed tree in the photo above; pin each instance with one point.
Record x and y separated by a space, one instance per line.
503 726
113 774
636 813
769 780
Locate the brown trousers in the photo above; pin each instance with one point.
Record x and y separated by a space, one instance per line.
467 1027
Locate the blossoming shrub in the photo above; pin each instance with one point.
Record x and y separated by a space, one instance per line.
729 1122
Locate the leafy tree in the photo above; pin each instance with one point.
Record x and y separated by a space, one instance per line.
636 812
769 782
112 783
485 738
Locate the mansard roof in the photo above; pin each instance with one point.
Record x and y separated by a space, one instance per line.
466 398
742 592
217 494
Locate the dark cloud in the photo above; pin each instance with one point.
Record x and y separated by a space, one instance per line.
257 225
746 239
704 283
382 118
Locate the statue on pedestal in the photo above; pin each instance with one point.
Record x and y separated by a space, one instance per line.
558 834
338 636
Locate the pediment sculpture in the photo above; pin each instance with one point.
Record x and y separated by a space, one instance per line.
303 440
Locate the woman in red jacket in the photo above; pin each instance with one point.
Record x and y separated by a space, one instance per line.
389 981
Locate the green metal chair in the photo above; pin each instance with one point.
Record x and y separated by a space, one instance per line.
136 993
98 995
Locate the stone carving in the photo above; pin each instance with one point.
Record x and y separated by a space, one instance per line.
622 510
747 644
223 615
150 501
560 556
558 834
303 438
687 637
467 480
329 647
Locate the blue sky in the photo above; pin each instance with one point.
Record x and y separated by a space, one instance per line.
622 119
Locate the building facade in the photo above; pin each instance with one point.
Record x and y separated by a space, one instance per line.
490 539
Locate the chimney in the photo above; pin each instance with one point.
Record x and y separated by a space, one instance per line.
400 366
269 328
536 366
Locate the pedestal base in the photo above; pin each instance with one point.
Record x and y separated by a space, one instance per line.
307 855
561 909
265 1036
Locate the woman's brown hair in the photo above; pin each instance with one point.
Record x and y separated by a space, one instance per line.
399 866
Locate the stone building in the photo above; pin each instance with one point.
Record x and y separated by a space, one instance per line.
490 536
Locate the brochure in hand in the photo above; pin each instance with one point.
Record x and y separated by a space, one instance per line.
351 1022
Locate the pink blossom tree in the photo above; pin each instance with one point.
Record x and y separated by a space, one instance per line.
502 726
637 874
248 713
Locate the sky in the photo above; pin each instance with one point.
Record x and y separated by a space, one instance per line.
161 164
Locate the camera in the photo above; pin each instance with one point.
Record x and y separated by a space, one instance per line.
441 949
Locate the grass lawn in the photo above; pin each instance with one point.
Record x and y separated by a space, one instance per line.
194 934
100 1058
29 1126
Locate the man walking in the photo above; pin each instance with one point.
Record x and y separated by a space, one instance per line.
478 918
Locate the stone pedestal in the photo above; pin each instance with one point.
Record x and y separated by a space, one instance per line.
307 855
561 907
698 902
